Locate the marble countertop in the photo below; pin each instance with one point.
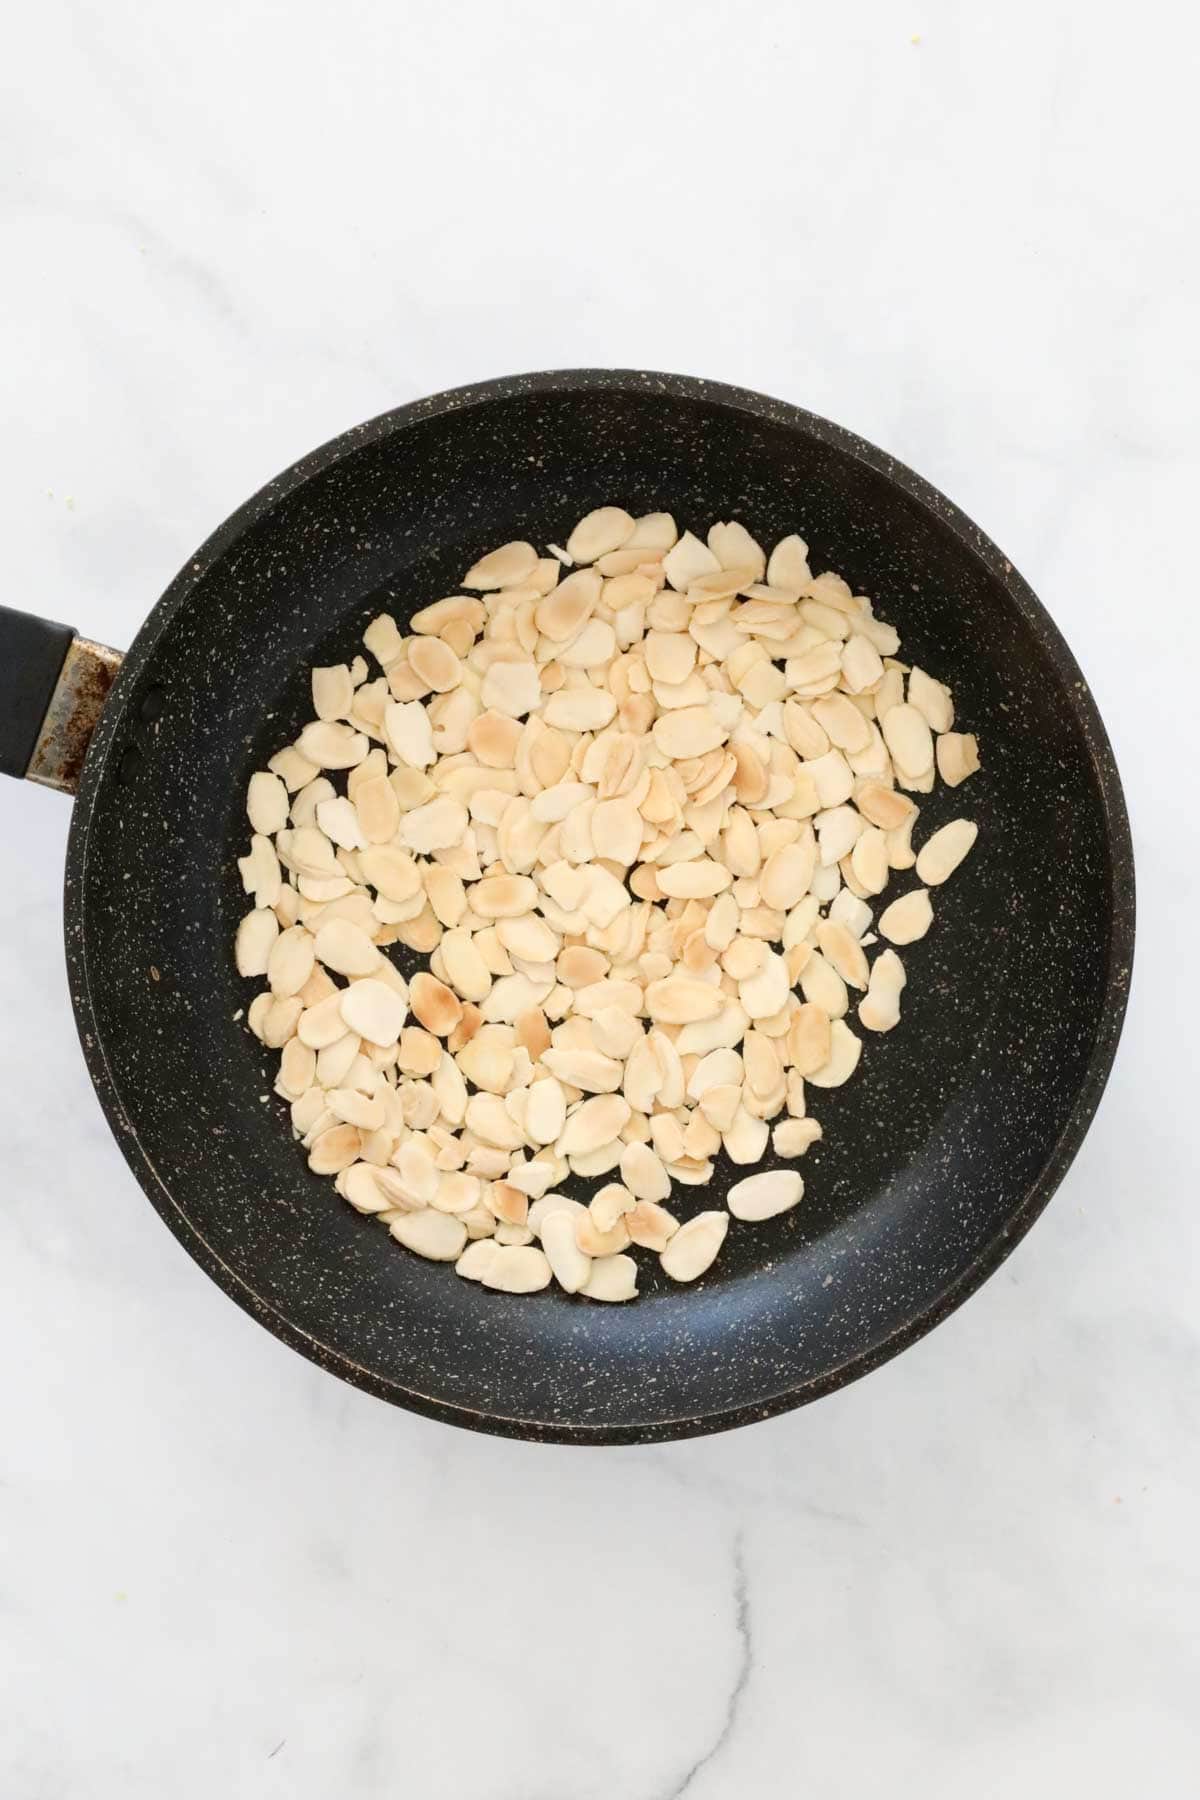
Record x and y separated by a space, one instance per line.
970 234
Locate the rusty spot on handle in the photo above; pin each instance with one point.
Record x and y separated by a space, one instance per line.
87 674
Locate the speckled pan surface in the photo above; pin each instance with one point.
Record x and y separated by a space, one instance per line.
937 1156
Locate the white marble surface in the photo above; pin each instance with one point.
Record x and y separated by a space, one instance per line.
232 229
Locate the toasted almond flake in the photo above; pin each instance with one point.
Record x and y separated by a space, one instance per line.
845 1050
433 1004
862 667
503 896
880 1009
680 999
787 872
842 949
941 854
476 1259
290 962
435 663
435 826
765 1196
609 1204
503 568
694 1247
642 1172
745 1138
882 806
594 1241
334 1149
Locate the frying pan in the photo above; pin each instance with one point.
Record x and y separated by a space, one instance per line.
937 1156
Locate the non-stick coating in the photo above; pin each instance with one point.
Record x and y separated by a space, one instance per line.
936 1156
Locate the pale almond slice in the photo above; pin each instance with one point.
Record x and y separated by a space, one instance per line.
841 721
290 962
845 1050
345 949
699 879
941 854
437 1236
838 831
957 757
764 992
931 699
794 1137
332 691
787 872
503 568
787 568
511 688
254 942
906 734
266 803
745 1138
880 1009
517 1269
587 1070
687 561
642 1172
568 1263
579 709
842 949
734 548
436 826
593 1123
832 777
476 1259
822 986
545 1112
598 532
670 655
680 999
765 1196
689 732
869 860
456 609
611 1278
694 1247
332 746
862 667
373 1010
409 733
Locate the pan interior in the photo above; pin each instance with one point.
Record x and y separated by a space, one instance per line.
930 1153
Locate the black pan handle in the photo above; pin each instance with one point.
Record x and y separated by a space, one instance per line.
53 684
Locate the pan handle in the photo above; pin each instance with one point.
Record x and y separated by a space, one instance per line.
52 685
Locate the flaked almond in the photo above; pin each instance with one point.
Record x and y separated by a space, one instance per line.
433 1004
908 918
568 1263
957 757
845 1050
694 1247
941 854
764 1196
503 568
611 1278
599 532
840 947
439 1236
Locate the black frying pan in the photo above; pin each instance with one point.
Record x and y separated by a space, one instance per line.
938 1155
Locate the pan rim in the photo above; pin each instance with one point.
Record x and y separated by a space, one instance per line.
1115 987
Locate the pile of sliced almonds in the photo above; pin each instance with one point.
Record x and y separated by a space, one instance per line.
635 817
